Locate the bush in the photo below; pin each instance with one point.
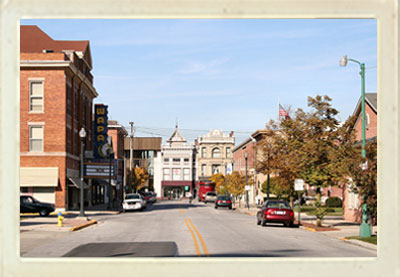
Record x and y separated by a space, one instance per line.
334 202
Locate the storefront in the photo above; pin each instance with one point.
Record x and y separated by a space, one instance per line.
175 190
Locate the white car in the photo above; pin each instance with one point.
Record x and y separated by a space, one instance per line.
133 201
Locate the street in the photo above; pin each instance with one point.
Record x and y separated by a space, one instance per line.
180 229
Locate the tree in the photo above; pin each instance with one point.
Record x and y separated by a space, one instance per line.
277 187
235 183
220 183
140 177
304 146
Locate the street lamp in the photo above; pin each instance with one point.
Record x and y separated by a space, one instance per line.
343 62
247 192
364 228
82 134
110 152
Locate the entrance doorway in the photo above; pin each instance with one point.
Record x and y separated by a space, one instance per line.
173 193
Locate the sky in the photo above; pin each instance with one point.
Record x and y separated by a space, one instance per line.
227 74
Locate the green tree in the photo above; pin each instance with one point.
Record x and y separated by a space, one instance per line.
277 187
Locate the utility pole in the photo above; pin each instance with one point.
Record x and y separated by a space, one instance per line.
131 155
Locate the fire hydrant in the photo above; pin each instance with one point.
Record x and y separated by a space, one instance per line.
60 220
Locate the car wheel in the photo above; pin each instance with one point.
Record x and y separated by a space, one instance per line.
205 202
216 207
291 224
43 212
230 207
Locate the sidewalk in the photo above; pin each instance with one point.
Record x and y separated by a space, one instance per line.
71 222
332 226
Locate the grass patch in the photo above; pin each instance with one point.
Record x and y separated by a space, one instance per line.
372 239
310 210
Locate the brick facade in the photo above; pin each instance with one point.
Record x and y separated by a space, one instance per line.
67 107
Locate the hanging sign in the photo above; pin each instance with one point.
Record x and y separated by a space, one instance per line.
100 145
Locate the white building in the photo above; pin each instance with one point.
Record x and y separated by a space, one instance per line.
175 168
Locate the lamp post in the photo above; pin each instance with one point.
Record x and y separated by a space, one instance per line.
365 230
110 152
343 62
247 192
82 135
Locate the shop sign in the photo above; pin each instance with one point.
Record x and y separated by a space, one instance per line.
100 144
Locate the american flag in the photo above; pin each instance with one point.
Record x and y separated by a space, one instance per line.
282 112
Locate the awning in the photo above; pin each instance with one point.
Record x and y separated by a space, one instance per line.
38 176
77 183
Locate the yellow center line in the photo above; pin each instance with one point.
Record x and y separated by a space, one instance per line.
194 239
203 244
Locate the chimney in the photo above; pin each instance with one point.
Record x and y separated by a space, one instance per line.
231 133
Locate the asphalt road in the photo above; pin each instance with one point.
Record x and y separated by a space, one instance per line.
179 229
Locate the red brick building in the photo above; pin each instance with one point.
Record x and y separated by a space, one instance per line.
56 96
351 200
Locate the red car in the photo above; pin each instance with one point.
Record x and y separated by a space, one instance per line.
275 211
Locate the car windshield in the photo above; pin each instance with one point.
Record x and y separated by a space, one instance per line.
223 197
133 196
211 193
278 204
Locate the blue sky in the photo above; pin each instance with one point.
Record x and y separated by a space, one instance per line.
225 74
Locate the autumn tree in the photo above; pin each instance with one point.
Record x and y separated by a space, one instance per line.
277 186
235 183
140 177
220 183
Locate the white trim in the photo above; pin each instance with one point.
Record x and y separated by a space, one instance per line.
41 123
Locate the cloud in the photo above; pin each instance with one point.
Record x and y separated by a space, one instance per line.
207 68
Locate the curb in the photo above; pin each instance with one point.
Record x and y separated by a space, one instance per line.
79 227
363 244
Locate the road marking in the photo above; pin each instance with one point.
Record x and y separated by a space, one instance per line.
182 210
194 239
203 244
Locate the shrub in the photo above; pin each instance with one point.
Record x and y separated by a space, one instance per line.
334 202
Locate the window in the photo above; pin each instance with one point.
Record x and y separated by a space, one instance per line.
166 160
367 120
36 138
166 174
176 174
36 96
203 169
216 168
186 174
69 99
216 153
228 152
203 152
186 160
176 160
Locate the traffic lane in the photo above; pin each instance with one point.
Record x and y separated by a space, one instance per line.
232 234
152 225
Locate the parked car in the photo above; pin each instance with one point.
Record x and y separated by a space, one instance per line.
133 201
210 196
223 201
28 204
148 196
275 211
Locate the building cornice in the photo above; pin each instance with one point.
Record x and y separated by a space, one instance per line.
60 64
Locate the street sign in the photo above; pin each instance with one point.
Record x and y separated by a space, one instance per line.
247 187
298 184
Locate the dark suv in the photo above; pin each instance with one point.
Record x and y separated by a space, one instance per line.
28 204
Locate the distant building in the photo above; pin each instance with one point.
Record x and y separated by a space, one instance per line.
352 200
56 101
176 166
145 152
214 154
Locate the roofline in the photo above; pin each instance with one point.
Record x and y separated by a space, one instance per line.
247 141
367 101
60 64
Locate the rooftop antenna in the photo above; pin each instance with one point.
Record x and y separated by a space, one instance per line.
176 125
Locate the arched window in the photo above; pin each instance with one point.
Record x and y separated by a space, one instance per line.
216 153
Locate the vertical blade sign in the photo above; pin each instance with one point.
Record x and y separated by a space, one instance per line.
100 131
